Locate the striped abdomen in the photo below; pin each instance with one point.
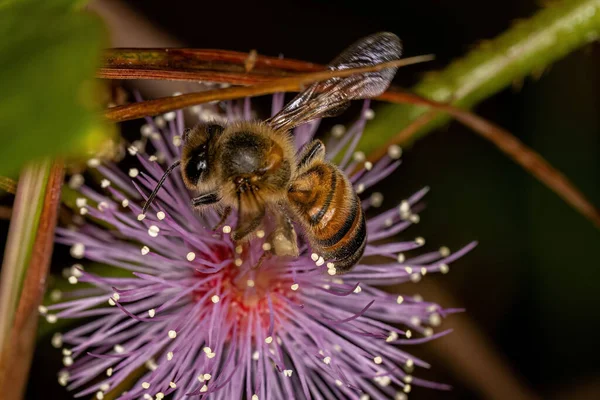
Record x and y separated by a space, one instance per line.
326 203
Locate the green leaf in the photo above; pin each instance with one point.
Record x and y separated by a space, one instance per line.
44 5
526 48
47 66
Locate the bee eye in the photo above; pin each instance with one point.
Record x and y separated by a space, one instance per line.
197 164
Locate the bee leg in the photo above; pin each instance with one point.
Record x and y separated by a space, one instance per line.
262 258
283 238
206 199
224 215
247 223
251 213
314 151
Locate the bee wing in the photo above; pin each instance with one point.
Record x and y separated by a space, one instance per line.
331 97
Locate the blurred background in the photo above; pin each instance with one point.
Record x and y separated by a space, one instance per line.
530 289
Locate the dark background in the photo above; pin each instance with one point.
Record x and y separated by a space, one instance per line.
530 285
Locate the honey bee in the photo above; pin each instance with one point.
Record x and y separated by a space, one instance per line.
252 167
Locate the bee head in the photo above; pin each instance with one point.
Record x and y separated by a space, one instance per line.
196 151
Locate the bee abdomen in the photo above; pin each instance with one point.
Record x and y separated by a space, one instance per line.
326 202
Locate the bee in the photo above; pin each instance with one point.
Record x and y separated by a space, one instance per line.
252 167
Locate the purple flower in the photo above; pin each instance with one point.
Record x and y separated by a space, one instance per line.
190 315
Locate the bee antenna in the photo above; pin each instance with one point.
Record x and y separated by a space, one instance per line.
159 185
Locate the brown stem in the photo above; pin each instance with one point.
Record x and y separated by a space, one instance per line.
16 357
199 65
287 84
526 157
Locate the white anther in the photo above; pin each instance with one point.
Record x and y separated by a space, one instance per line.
77 250
76 181
394 152
444 251
81 202
338 130
153 230
57 340
376 199
133 172
359 156
392 336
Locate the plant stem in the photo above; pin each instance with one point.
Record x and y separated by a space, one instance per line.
526 48
24 271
